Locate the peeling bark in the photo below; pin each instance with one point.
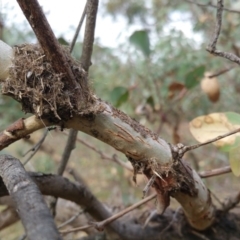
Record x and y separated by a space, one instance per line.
21 129
148 153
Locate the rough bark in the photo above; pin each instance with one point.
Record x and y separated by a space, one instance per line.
147 152
170 226
33 12
28 200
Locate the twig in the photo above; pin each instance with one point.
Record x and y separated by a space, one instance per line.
76 229
213 6
78 28
216 198
149 184
199 235
36 147
63 163
218 26
67 151
188 148
231 202
92 7
113 158
174 218
70 219
221 72
212 46
102 224
215 172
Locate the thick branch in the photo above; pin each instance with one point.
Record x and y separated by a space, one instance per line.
21 129
60 62
29 202
61 187
149 152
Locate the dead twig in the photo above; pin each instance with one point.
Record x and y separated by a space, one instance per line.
179 150
67 151
212 6
92 8
212 46
70 219
231 202
113 158
215 172
173 220
78 28
216 198
36 147
76 229
199 235
221 72
100 225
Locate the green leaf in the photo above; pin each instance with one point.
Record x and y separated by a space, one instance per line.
229 147
150 101
119 95
233 117
234 161
62 41
140 39
193 77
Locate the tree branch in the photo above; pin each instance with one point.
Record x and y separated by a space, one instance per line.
31 207
215 172
21 129
36 18
92 7
78 28
213 6
212 46
149 154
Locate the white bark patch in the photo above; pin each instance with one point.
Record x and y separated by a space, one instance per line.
20 186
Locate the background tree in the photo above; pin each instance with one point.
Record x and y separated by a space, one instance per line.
167 83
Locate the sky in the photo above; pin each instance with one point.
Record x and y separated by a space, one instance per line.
64 19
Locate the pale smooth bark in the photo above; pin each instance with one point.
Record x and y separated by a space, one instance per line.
126 135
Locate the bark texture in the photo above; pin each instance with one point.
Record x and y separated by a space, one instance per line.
33 211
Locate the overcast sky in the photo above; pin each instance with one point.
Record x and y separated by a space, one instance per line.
64 16
64 19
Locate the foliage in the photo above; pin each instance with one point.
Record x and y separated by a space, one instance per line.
154 75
